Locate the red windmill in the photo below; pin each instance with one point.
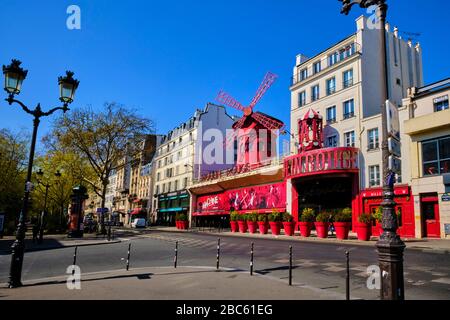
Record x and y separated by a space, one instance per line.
251 120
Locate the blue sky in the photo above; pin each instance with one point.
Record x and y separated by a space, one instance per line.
167 58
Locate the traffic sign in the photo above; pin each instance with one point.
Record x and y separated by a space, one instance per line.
394 147
393 121
395 165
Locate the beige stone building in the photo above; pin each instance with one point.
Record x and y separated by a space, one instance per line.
427 132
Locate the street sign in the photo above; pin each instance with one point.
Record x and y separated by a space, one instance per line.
393 121
395 165
445 198
394 147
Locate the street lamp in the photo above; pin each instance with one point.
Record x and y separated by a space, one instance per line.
47 186
390 246
14 77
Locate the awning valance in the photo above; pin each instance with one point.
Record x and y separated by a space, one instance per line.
210 213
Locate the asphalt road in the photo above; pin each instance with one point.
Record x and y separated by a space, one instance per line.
321 265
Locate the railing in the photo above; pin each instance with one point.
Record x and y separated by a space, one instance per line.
321 161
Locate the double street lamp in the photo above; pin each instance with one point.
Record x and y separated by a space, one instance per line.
390 246
47 186
14 77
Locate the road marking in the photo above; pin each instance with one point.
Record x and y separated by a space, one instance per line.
334 269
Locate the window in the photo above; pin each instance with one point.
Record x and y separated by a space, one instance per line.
436 156
185 183
176 185
349 109
303 74
315 93
169 188
164 188
331 114
374 176
350 50
373 139
331 86
159 162
440 103
348 78
302 98
349 139
317 67
332 141
333 58
158 176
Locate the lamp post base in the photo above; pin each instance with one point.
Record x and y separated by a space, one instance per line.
15 273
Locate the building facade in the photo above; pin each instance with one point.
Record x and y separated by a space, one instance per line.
427 131
343 86
177 163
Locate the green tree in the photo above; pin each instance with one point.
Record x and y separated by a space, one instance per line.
102 138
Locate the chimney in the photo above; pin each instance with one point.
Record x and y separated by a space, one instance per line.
396 32
300 59
410 43
417 47
387 26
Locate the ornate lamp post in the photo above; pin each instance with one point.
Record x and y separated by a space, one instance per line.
47 186
14 76
390 246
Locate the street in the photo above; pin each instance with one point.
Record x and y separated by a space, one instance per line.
319 265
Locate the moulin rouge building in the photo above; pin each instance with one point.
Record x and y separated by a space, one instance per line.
335 159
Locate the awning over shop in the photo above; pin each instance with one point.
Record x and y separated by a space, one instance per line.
210 213
137 211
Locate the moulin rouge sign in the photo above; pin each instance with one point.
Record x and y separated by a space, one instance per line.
258 198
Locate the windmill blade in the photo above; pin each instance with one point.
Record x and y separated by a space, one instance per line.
229 101
269 79
240 123
267 122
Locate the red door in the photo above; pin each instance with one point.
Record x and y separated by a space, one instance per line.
430 217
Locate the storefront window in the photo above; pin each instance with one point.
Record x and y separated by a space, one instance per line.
436 156
184 202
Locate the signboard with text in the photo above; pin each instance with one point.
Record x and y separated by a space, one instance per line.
394 147
395 165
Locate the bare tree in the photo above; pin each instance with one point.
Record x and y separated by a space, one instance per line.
103 139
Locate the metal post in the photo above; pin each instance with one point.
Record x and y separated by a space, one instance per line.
251 258
218 254
347 279
175 259
290 265
43 214
109 232
128 258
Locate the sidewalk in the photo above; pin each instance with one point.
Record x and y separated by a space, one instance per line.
55 242
438 245
184 283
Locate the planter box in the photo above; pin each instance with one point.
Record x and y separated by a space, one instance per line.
263 227
275 227
364 231
305 228
234 226
289 228
252 226
182 225
242 226
322 229
342 229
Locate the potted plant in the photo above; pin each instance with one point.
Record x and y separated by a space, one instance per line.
306 222
275 223
364 227
263 224
183 222
234 222
322 224
378 217
177 221
342 223
252 222
242 222
288 224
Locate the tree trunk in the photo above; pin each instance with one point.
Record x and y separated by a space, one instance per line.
102 219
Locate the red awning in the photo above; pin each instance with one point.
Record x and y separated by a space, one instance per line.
137 211
210 213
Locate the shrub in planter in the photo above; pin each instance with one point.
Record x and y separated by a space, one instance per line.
275 223
342 223
234 222
364 227
252 222
306 222
263 224
242 222
288 224
378 217
183 222
322 224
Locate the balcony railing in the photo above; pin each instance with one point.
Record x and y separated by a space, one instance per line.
321 161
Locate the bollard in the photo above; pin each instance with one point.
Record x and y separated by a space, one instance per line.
109 233
218 254
175 259
252 251
290 265
347 280
128 257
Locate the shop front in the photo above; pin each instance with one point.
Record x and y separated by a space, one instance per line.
171 204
